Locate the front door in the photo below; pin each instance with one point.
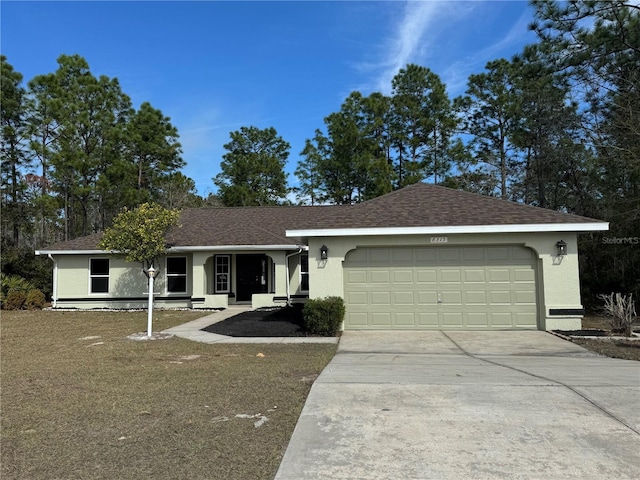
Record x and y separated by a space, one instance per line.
251 271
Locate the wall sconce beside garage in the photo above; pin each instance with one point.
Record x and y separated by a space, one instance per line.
561 246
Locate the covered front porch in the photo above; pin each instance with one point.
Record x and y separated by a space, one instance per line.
258 278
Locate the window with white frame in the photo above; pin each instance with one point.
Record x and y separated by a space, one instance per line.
99 275
222 272
176 274
304 272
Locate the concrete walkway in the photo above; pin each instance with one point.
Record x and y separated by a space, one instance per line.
193 330
467 405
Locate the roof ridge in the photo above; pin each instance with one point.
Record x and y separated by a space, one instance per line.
265 207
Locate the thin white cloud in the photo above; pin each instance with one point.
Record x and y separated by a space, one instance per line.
408 38
414 35
457 74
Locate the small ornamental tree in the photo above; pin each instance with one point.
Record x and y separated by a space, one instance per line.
138 235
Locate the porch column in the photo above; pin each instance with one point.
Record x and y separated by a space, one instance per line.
281 273
199 278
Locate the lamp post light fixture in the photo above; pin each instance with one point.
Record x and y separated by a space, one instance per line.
151 272
562 248
324 252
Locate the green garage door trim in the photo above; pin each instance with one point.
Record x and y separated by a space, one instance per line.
416 288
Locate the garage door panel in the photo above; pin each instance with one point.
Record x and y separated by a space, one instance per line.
526 319
402 255
499 275
449 254
382 255
357 319
404 298
427 276
477 319
476 298
500 298
440 287
356 276
381 298
501 319
498 253
474 275
526 297
525 275
380 276
452 319
405 319
427 297
381 319
403 276
477 254
425 255
453 297
428 319
357 298
448 275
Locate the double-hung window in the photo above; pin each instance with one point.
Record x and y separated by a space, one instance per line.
99 275
304 272
176 275
222 274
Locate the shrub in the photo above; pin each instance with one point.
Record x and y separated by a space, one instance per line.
621 312
323 316
15 300
9 283
35 300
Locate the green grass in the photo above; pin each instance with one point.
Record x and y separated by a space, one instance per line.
162 409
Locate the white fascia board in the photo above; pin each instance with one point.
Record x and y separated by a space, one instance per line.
216 248
72 252
179 249
521 228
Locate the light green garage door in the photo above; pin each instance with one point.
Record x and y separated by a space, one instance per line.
440 288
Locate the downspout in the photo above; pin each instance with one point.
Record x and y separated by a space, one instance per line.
286 265
54 295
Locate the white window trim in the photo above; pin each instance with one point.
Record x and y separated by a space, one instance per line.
168 275
107 276
301 272
215 274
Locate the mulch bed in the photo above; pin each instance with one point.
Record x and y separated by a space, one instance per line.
266 322
584 333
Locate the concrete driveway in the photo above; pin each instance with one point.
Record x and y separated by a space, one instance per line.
477 405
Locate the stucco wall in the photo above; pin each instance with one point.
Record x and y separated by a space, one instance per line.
558 277
128 283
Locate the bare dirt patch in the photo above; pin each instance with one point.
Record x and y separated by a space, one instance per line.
134 410
597 326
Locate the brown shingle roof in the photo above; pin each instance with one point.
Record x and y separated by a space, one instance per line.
418 205
423 205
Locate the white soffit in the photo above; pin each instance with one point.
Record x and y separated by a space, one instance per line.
520 228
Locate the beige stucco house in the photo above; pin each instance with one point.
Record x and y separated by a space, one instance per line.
423 257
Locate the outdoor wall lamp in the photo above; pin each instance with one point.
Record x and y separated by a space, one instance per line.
562 248
324 252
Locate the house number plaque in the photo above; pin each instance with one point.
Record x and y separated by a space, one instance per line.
439 239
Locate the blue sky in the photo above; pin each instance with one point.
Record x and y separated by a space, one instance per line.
214 67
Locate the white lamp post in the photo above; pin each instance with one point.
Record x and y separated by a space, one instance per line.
151 272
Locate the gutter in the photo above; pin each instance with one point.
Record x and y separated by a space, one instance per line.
452 229
54 295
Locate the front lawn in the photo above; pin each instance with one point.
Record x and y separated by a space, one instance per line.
79 400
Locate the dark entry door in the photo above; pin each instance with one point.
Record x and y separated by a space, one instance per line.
252 276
